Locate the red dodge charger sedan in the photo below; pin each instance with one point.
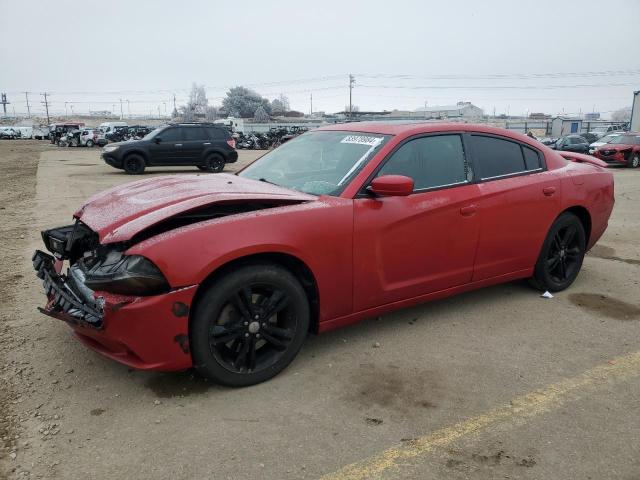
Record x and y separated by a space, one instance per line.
228 273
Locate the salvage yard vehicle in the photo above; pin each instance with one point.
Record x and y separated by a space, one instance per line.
601 131
572 143
602 141
228 273
59 130
206 146
8 133
621 150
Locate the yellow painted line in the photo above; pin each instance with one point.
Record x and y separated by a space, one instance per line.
518 410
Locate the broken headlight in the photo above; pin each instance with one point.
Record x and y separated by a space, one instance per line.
123 274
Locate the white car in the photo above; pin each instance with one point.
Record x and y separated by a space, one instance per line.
601 131
88 137
602 140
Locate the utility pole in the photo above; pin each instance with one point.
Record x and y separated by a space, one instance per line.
425 109
174 103
46 106
128 108
121 113
159 111
4 103
352 82
311 107
26 95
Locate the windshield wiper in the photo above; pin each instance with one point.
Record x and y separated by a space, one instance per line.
267 181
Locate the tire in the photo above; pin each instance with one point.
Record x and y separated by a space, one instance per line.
89 143
214 163
133 164
634 160
235 339
561 256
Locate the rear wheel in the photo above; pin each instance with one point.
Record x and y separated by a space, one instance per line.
214 163
634 160
562 254
89 143
249 325
134 164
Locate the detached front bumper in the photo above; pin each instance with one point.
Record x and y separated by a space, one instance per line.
146 333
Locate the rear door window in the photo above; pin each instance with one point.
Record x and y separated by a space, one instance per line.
194 134
497 157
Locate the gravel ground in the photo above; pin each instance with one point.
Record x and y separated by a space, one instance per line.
67 413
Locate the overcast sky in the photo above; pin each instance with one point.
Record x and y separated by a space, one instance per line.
514 56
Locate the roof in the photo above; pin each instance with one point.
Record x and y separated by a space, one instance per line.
411 128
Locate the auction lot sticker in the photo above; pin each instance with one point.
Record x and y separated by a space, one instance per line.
361 140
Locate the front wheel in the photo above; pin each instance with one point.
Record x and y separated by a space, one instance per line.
249 325
562 254
134 164
634 160
89 143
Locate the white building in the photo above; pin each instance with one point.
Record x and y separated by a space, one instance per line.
463 110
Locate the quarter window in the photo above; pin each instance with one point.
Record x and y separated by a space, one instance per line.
497 157
433 161
531 158
217 133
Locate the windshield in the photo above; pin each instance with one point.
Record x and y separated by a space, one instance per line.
607 138
319 163
626 140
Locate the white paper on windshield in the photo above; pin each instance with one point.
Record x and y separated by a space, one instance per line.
361 140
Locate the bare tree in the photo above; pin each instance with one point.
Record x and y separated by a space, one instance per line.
260 115
622 115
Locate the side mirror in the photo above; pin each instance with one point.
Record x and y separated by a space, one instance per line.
157 139
391 186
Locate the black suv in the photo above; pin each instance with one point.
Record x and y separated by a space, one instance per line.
204 145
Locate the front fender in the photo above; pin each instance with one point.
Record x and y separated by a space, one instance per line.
319 233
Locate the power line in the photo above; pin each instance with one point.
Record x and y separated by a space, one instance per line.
498 87
603 73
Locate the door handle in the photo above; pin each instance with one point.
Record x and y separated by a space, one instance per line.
548 191
177 145
468 210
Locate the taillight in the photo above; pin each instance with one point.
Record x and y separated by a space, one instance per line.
231 142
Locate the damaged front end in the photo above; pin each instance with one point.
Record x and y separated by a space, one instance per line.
91 267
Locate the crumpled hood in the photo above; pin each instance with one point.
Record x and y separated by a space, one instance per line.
121 212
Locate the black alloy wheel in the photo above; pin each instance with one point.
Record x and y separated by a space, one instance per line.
250 325
562 254
134 164
215 163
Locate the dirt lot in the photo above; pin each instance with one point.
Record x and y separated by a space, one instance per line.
497 383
